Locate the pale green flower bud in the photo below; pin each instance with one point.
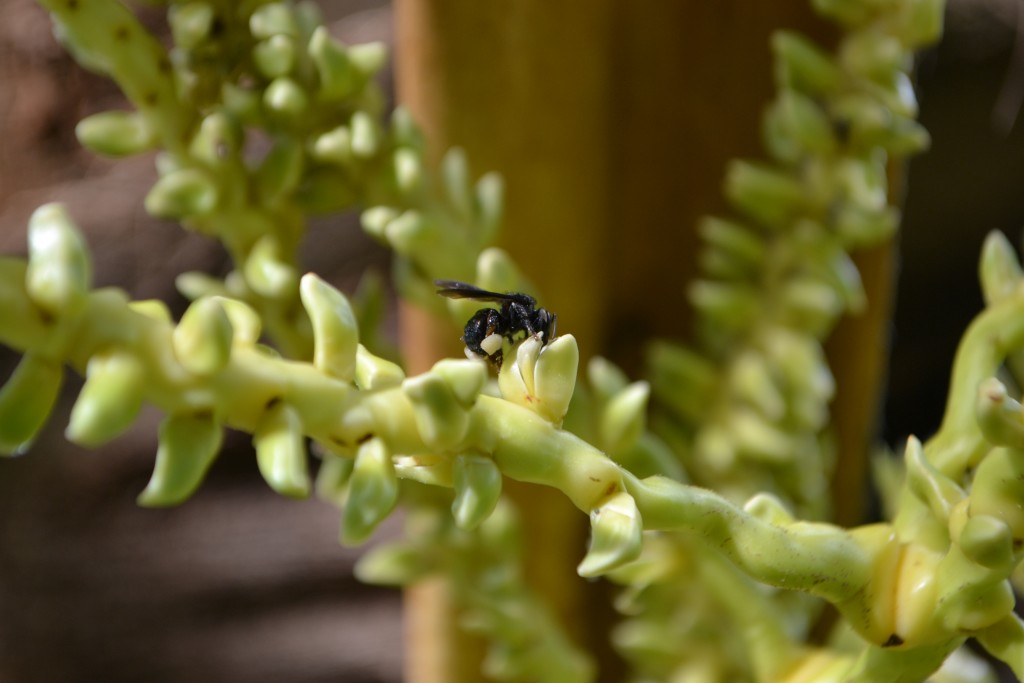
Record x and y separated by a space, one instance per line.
466 378
188 446
408 169
810 305
375 221
404 131
115 133
736 239
273 19
285 97
490 203
190 23
940 493
182 194
616 535
858 227
759 439
729 304
392 564
332 478
441 419
803 66
681 378
874 55
477 490
26 400
154 309
795 125
373 492
763 193
768 508
266 272
337 75
243 103
245 321
542 378
219 138
368 58
280 172
920 22
59 268
335 332
498 272
1000 417
366 138
334 146
623 419
373 372
410 232
998 488
110 399
195 285
605 378
752 380
455 175
202 340
281 451
987 541
1000 269
275 56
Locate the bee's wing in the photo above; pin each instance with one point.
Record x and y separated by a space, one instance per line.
454 289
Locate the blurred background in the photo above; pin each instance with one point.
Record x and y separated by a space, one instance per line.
242 585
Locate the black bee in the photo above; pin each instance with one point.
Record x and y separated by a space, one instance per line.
518 313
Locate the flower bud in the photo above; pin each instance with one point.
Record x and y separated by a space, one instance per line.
188 446
441 419
245 321
154 309
366 139
110 399
605 378
59 268
803 66
281 452
616 536
26 400
490 204
795 126
392 564
274 56
182 194
765 194
920 23
987 541
373 372
751 379
408 169
736 239
280 172
849 13
368 58
334 146
332 478
285 97
410 232
202 340
274 18
1000 418
542 378
455 175
115 133
624 417
729 304
477 490
191 23
768 508
1000 269
195 285
373 492
466 378
338 78
219 138
335 332
266 272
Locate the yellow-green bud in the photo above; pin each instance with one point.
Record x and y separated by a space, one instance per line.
366 137
768 508
188 446
542 378
920 22
441 419
285 97
752 380
334 146
624 417
466 378
937 491
243 103
859 227
368 58
335 332
373 372
281 452
477 490
734 238
810 305
616 535
332 478
373 492
490 205
375 221
803 66
763 193
850 13
874 55
408 169
681 378
795 125
404 131
154 309
273 19
1000 269
266 272
337 75
730 304
110 399
195 285
202 340
275 56
182 194
1000 417
190 23
605 378
115 133
455 175
26 400
218 139
392 564
988 541
59 269
498 272
757 438
245 321
409 232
